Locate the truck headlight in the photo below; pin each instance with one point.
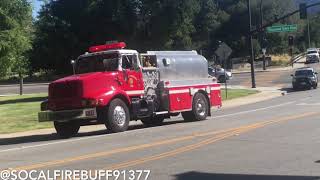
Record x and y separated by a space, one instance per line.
44 105
89 102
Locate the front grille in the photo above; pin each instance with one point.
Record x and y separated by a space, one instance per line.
312 57
65 89
302 80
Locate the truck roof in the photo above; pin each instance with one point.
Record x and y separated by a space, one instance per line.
312 49
172 53
120 51
305 68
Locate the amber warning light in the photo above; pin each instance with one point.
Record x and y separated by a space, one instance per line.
118 45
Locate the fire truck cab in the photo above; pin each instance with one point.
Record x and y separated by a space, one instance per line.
113 86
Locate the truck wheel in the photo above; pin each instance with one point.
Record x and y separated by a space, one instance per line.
309 87
153 121
315 86
118 116
200 109
294 87
222 79
67 129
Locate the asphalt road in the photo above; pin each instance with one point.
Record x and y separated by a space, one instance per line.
274 139
269 78
27 89
263 79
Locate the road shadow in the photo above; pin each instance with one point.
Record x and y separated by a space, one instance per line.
288 90
54 136
23 100
291 90
193 175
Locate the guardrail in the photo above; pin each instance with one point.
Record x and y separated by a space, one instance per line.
296 58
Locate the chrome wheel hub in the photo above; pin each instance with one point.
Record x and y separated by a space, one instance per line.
201 107
119 115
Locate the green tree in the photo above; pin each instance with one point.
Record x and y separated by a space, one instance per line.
15 35
65 29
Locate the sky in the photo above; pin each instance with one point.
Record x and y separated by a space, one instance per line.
36 7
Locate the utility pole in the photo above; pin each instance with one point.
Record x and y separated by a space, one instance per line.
262 37
20 81
225 73
261 14
309 39
253 80
21 84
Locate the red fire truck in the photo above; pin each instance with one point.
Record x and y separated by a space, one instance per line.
112 85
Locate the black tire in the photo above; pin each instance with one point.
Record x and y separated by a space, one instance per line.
67 129
153 121
309 87
117 116
222 79
315 86
200 109
294 87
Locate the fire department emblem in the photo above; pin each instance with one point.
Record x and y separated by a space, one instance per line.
130 81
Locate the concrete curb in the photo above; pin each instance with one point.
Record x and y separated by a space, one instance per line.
255 98
288 68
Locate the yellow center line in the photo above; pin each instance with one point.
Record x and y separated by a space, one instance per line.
203 143
230 132
116 151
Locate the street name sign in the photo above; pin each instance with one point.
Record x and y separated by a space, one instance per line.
282 28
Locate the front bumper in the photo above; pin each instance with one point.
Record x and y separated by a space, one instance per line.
312 59
304 83
78 114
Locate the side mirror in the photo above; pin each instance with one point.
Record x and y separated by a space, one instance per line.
291 75
166 61
316 72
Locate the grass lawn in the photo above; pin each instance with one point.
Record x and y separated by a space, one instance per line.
237 93
19 113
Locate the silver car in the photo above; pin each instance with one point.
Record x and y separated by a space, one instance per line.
221 74
312 56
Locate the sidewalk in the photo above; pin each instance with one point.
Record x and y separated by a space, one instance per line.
271 69
265 94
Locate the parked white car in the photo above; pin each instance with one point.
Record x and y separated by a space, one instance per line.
312 56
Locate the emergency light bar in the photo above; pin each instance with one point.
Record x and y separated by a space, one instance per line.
118 45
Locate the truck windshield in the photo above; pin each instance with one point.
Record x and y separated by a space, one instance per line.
304 73
312 52
97 63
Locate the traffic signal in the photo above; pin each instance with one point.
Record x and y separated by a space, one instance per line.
303 11
291 40
264 42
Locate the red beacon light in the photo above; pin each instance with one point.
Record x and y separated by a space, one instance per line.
118 45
